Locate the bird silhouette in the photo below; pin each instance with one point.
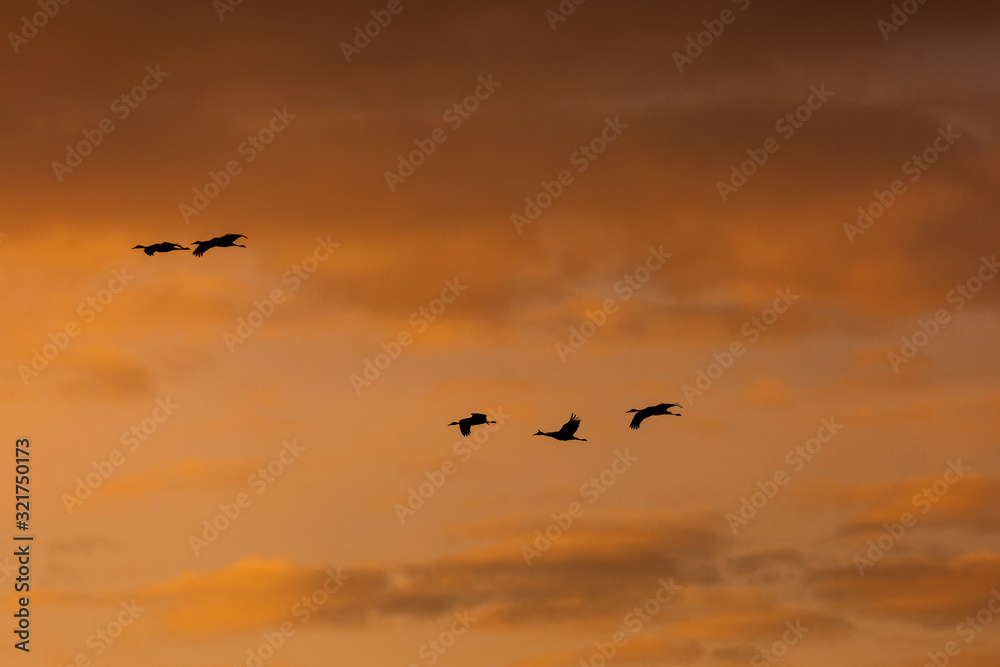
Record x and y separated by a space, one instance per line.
567 431
661 409
218 242
159 247
465 425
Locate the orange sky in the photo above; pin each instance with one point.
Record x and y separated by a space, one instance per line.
786 223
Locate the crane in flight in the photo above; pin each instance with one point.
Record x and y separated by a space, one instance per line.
465 425
218 242
159 247
567 431
661 409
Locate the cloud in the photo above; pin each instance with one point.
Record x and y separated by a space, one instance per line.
641 650
191 475
756 562
933 593
590 583
104 372
946 501
655 184
252 593
589 576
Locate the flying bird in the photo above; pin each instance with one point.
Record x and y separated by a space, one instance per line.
218 242
661 409
465 425
567 431
159 247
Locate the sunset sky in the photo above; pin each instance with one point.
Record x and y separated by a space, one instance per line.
781 215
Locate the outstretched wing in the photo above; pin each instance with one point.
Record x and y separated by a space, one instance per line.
465 426
637 419
150 249
569 428
203 246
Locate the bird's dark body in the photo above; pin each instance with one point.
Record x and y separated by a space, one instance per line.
159 247
567 432
218 242
465 425
661 409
